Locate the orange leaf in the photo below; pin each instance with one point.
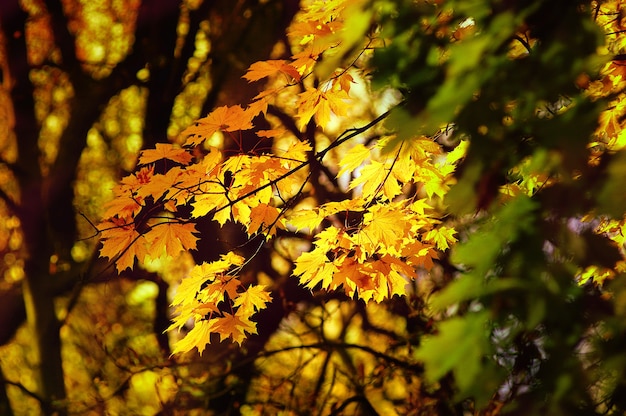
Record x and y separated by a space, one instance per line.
263 69
122 244
221 119
234 326
267 216
165 151
122 207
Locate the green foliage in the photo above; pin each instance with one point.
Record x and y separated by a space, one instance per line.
505 76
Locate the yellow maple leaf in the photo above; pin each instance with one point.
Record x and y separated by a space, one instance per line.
442 237
375 179
384 227
354 158
351 275
171 238
322 105
198 337
265 219
418 254
390 275
203 274
313 267
253 299
213 197
166 184
123 206
308 219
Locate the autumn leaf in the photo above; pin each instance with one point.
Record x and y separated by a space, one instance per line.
354 158
253 299
123 206
354 280
165 151
321 105
442 236
212 198
234 326
306 219
385 227
166 184
198 337
263 69
202 275
257 107
313 267
375 179
171 238
221 119
306 31
307 58
123 244
265 219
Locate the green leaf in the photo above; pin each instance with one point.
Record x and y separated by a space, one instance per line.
459 346
472 286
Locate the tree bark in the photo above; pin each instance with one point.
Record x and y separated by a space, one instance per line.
39 304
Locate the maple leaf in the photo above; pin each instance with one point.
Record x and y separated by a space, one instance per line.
441 236
313 267
257 107
123 207
375 178
253 299
307 30
171 238
165 151
354 158
352 276
227 284
212 198
433 180
198 337
165 184
388 281
331 208
420 206
306 219
384 226
234 326
418 254
306 59
221 119
203 274
321 104
206 308
131 183
122 244
267 216
296 150
263 69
